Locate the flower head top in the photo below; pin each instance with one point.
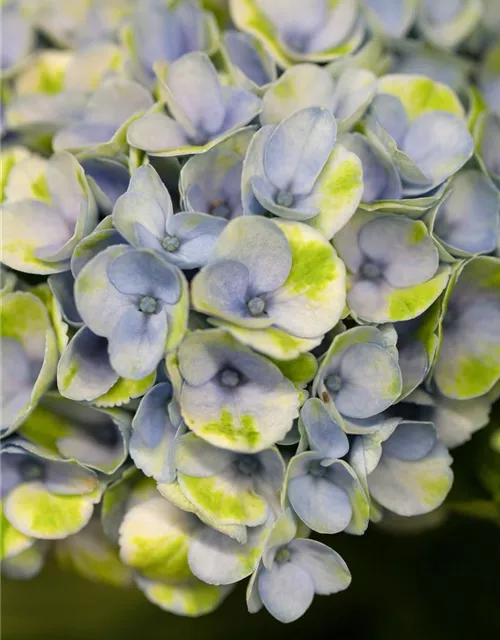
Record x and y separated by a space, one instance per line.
203 111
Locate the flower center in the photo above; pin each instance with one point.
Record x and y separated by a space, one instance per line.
256 306
170 243
371 270
220 209
282 555
248 465
333 383
230 378
284 199
31 469
148 304
317 469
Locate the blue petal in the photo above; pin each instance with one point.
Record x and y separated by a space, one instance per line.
244 55
439 143
287 591
324 566
142 272
323 432
298 148
137 343
62 286
410 440
261 246
403 247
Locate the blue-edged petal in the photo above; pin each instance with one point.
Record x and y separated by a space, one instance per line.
252 66
323 432
468 220
447 24
286 591
324 566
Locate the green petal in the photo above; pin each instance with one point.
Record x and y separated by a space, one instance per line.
272 341
125 390
339 188
36 512
90 554
192 598
300 370
12 541
420 94
174 494
222 499
154 539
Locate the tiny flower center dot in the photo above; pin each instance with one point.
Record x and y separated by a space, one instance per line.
371 270
317 469
248 465
256 306
333 383
220 209
148 304
230 378
282 555
284 199
170 243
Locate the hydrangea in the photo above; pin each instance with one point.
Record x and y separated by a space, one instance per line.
249 285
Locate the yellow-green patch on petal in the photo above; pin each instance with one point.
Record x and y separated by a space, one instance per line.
192 598
405 304
154 539
124 390
274 342
91 555
36 512
420 95
12 541
222 499
338 190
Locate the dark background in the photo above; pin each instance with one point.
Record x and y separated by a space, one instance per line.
440 584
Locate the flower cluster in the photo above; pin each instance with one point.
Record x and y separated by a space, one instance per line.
250 283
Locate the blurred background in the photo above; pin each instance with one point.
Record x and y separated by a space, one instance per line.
439 583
